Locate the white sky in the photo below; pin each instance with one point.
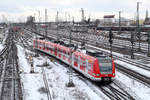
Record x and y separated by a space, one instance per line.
18 10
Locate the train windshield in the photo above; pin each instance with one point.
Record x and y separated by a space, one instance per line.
105 64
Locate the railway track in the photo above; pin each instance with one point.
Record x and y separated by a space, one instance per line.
120 58
10 87
141 78
49 96
134 75
114 92
127 60
93 46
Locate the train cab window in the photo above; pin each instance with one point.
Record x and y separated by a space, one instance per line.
105 65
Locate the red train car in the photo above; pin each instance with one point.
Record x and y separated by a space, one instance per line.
96 68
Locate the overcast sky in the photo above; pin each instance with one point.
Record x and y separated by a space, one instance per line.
18 10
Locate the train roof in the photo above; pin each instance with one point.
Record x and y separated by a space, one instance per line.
88 57
63 48
92 59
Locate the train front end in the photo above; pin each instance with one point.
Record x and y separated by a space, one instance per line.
106 67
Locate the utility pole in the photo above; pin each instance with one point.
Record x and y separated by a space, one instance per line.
110 41
57 25
132 42
119 22
34 24
70 83
46 24
82 15
138 27
39 20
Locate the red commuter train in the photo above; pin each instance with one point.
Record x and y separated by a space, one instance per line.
92 65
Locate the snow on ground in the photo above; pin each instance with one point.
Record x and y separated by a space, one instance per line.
57 76
138 88
1 47
134 68
32 84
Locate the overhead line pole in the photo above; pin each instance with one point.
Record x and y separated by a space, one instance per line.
39 20
57 24
45 36
119 22
45 23
138 27
70 83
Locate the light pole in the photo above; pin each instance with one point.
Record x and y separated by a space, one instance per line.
45 36
138 26
110 41
70 83
46 24
132 42
57 22
39 20
119 22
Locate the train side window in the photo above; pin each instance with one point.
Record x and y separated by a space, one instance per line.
35 43
89 65
83 62
75 58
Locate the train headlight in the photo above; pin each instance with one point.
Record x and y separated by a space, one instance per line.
113 74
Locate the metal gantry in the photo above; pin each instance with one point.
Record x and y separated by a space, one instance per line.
70 83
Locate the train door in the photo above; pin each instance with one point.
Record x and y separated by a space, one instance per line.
75 60
87 67
44 45
90 67
83 64
55 50
59 53
79 62
36 44
40 45
47 47
33 43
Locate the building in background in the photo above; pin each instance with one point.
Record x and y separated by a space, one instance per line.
147 20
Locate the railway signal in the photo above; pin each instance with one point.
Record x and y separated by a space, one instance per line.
110 40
